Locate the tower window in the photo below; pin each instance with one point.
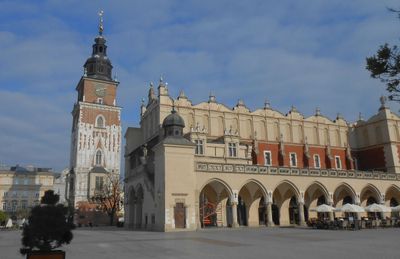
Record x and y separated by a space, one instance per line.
100 49
101 69
98 157
99 183
100 100
100 121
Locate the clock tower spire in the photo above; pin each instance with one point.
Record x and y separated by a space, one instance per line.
96 127
99 65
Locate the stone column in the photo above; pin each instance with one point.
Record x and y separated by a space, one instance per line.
235 223
331 216
270 222
301 214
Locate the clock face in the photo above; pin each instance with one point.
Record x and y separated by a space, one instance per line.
100 90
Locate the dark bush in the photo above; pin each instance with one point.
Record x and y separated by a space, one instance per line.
48 226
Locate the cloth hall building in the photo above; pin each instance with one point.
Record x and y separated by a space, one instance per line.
190 166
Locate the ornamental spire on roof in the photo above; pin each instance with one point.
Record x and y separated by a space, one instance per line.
101 27
99 65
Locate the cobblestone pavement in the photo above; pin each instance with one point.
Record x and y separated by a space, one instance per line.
240 243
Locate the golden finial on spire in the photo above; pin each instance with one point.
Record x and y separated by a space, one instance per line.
101 28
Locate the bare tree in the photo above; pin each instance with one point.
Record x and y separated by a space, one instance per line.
109 199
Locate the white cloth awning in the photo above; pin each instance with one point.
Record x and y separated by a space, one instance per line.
323 208
396 209
374 207
350 208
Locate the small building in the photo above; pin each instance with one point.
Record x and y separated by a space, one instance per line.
22 187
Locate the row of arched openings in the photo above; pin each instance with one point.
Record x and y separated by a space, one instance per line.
216 208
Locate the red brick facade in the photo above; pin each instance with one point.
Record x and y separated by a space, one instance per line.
302 160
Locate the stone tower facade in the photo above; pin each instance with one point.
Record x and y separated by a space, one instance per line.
96 127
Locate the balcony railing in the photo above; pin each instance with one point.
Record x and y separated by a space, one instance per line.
310 172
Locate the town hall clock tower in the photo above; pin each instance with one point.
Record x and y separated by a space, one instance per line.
96 127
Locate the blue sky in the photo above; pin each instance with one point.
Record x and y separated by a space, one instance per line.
303 53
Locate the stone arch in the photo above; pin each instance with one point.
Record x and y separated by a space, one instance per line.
251 207
341 194
370 194
392 196
215 204
226 185
315 194
285 195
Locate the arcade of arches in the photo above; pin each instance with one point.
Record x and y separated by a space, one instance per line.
253 204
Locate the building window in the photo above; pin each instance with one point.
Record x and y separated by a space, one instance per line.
99 183
267 158
14 205
16 181
317 163
5 194
26 181
100 100
100 121
24 204
4 206
98 157
199 147
232 149
293 159
153 219
14 194
338 162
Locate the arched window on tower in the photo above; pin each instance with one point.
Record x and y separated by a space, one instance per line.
98 157
100 121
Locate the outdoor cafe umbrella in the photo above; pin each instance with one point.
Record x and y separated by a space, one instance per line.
323 208
351 208
396 209
377 208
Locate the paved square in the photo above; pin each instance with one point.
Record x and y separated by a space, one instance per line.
222 243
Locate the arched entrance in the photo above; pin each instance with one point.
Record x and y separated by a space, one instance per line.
369 194
286 201
316 194
251 205
392 199
214 205
343 194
